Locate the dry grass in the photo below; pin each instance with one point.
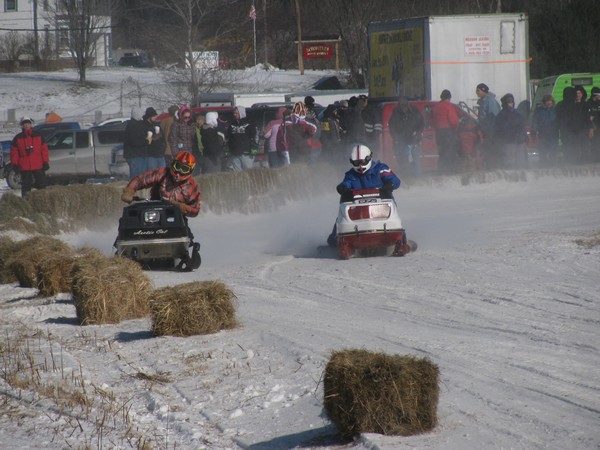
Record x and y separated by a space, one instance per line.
591 242
192 308
368 392
28 254
109 290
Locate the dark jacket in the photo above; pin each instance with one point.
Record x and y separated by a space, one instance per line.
135 144
241 137
354 124
406 126
509 127
213 143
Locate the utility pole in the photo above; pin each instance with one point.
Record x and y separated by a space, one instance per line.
299 24
265 32
36 37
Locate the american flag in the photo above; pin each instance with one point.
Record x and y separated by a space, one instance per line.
252 12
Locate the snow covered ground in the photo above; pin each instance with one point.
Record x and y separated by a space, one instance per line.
498 295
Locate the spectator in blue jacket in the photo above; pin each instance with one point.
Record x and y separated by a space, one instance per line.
364 174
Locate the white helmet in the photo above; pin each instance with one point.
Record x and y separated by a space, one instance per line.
26 119
361 158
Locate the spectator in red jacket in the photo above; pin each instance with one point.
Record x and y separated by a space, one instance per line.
444 119
29 156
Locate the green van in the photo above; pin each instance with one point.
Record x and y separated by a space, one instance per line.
554 85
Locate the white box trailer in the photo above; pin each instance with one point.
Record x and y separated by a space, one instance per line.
421 56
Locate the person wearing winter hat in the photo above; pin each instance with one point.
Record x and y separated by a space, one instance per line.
156 140
29 156
444 120
165 127
488 109
183 132
510 136
545 128
242 140
143 145
213 143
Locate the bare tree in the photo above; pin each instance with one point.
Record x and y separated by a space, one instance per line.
191 22
83 22
12 46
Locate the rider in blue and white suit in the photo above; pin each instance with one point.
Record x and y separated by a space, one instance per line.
365 174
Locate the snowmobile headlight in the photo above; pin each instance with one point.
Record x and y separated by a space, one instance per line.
151 216
380 211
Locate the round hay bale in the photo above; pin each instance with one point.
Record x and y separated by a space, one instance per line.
7 248
29 253
109 290
55 273
368 392
200 307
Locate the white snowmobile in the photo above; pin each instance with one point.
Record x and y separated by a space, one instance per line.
369 225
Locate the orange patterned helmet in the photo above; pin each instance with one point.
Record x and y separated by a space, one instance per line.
182 166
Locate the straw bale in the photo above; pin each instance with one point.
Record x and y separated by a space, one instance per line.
55 274
109 290
78 204
17 214
29 253
7 246
368 392
260 189
199 307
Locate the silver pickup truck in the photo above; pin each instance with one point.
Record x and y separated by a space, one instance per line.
75 155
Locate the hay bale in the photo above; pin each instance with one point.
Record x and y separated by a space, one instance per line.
7 248
78 205
55 274
368 392
109 290
17 214
29 253
200 307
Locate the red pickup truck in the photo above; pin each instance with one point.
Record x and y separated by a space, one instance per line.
469 135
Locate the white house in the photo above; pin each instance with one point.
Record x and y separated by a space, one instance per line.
38 17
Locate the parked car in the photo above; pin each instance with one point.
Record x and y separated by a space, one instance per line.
141 60
118 166
48 129
470 137
112 121
75 155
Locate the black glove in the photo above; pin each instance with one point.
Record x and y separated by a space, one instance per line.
45 166
342 189
388 186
